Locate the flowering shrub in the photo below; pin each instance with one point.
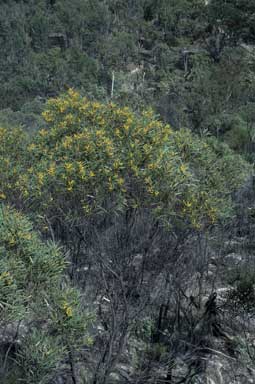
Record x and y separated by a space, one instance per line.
91 162
94 157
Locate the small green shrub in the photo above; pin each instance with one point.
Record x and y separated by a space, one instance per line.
33 293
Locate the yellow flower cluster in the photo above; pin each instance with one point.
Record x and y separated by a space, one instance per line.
70 185
2 196
6 278
67 309
92 148
90 153
52 169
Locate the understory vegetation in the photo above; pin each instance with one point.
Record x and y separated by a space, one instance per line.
127 214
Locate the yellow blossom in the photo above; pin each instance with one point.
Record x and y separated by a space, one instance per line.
69 167
117 132
6 278
148 180
152 166
117 164
67 309
12 241
40 177
42 132
120 181
70 185
96 105
26 236
47 116
188 204
86 208
74 94
52 169
69 118
4 274
110 184
99 133
183 168
31 147
67 142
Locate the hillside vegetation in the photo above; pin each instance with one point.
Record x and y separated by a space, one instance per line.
126 192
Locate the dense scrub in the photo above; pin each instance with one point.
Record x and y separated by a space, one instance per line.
128 197
126 190
192 61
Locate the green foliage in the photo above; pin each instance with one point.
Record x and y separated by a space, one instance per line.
237 133
43 48
39 357
12 151
143 329
88 163
235 16
31 291
95 157
177 18
47 46
29 116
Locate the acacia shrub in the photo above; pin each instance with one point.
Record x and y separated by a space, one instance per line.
93 158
